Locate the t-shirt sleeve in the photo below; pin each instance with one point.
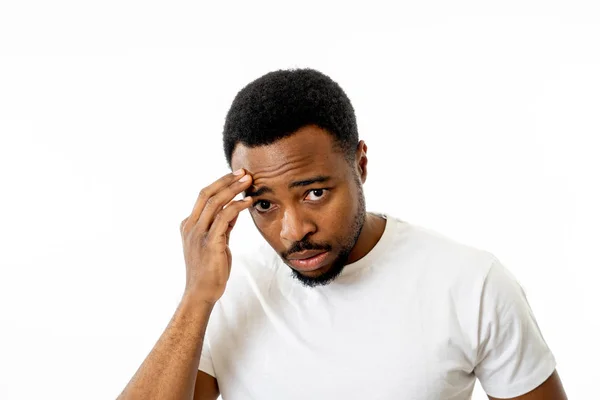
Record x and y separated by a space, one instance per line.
512 355
206 364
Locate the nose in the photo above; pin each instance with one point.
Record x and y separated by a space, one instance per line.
295 226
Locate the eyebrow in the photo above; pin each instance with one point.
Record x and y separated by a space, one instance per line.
304 182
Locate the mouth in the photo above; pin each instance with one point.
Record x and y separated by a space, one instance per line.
309 260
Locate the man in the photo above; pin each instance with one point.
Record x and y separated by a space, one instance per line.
340 303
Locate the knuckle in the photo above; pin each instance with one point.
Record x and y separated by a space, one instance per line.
196 237
219 217
204 239
204 194
211 201
184 230
182 224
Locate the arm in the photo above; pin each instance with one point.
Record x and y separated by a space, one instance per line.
170 370
206 387
514 360
551 389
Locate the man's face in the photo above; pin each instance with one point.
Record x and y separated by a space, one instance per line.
308 201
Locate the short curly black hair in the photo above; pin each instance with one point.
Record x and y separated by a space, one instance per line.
279 103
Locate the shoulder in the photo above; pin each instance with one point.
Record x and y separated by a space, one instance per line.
440 257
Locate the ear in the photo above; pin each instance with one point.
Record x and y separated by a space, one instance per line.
361 160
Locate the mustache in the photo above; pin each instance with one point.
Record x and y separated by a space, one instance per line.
305 245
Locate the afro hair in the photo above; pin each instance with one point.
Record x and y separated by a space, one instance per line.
279 103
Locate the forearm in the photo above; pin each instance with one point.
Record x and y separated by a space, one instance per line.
169 371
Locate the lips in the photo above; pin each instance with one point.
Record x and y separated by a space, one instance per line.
309 260
303 255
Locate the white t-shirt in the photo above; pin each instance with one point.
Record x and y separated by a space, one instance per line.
419 317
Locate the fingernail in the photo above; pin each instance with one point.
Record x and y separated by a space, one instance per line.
245 178
239 171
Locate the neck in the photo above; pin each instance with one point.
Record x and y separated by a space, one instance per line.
370 234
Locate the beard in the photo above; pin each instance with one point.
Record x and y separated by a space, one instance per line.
346 246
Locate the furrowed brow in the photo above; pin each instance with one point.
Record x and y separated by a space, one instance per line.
258 192
310 181
305 182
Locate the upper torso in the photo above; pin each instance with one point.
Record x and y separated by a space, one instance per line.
399 323
410 320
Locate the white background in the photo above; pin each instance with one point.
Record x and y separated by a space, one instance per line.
481 120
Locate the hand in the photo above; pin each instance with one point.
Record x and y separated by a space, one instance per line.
205 236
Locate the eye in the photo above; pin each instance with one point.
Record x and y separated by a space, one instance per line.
262 206
316 194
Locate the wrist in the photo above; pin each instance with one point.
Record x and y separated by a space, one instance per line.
197 300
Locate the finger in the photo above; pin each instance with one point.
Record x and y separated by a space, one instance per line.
231 223
231 226
209 191
215 204
223 220
182 224
226 205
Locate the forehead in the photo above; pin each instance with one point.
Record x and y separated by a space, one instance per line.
308 152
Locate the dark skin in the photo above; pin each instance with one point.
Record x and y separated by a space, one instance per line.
551 389
324 216
328 210
321 211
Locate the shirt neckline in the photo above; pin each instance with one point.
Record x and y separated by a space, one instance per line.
377 250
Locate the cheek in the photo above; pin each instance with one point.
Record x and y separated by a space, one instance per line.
339 214
269 229
345 204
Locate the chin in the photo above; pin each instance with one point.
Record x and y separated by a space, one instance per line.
319 277
314 273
